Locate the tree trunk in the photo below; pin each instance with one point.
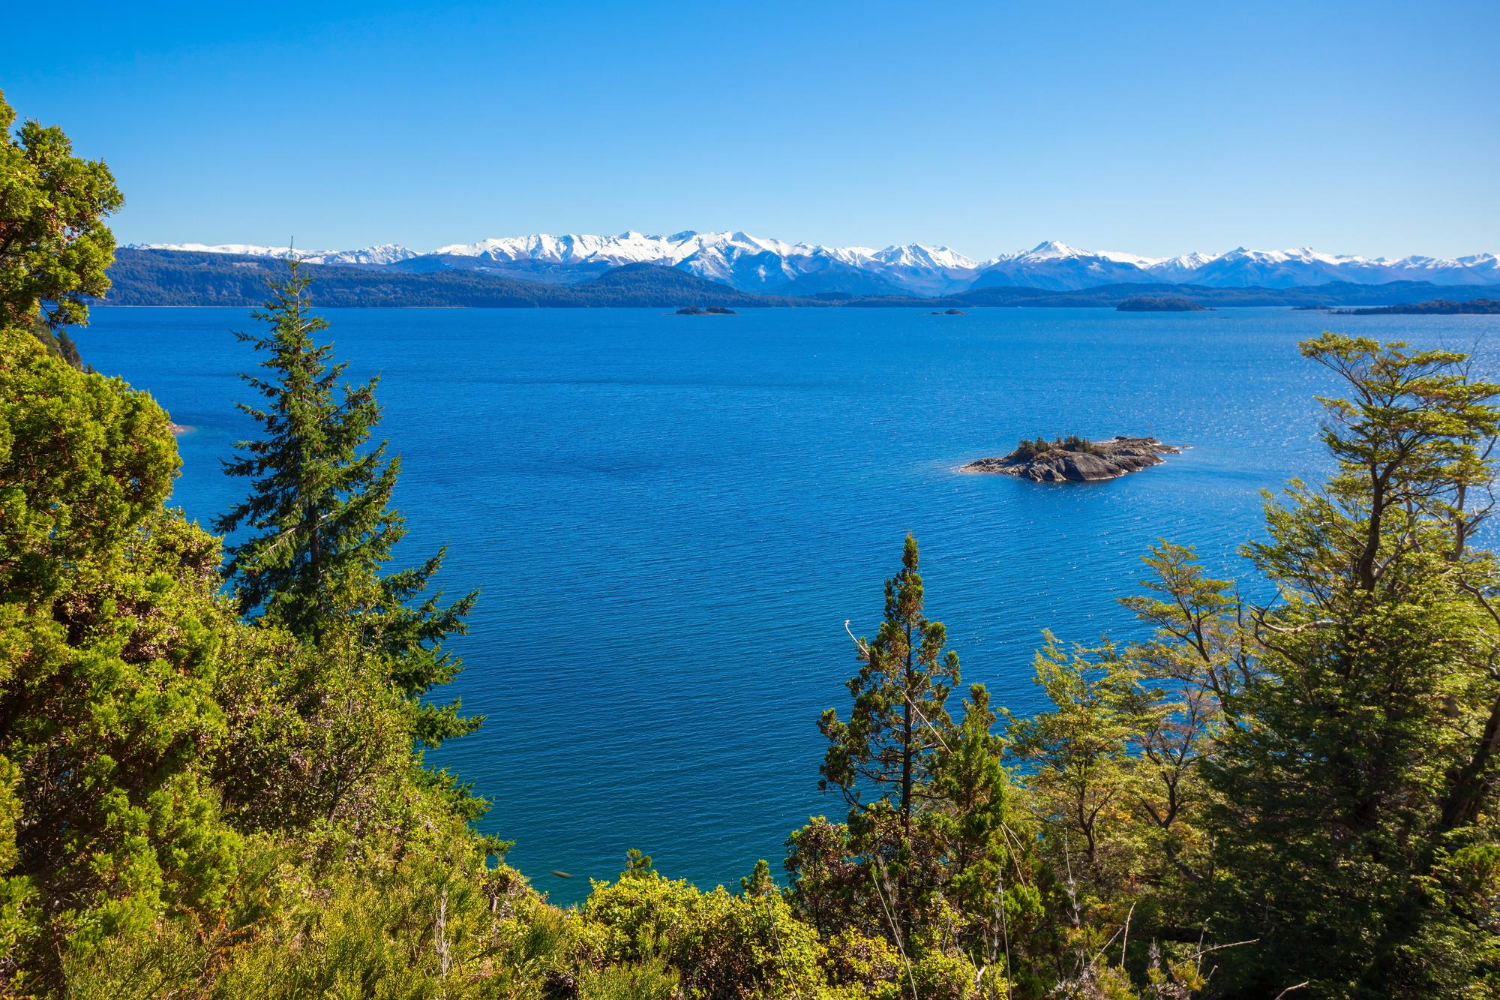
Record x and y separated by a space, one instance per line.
1465 798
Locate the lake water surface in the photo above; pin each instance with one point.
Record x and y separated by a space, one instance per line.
671 518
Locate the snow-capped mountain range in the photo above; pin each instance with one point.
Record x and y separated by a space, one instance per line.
754 264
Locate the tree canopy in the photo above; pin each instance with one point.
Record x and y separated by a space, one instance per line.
54 245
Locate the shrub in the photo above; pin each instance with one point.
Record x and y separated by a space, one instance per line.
1033 448
724 946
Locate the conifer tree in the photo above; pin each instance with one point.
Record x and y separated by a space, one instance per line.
320 524
900 695
882 758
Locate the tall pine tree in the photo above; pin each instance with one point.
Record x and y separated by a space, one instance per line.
900 694
319 518
883 757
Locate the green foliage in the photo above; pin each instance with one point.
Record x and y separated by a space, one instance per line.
1078 750
85 463
899 697
881 758
652 980
54 245
1036 447
321 521
1245 800
111 635
932 833
1365 745
186 797
1310 785
1031 448
722 945
318 506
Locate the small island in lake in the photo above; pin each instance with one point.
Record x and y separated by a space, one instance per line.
1433 307
1075 459
1160 303
946 312
705 311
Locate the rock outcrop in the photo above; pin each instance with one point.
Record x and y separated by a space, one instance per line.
1076 460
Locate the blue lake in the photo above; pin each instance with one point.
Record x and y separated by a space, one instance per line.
671 518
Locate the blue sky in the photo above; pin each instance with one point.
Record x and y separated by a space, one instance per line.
1155 128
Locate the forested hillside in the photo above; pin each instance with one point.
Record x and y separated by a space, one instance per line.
170 278
211 770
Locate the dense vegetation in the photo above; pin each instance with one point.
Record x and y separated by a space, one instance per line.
211 790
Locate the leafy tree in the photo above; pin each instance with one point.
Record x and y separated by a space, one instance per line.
985 839
1080 784
724 946
1359 760
319 515
54 245
110 646
1078 748
1198 660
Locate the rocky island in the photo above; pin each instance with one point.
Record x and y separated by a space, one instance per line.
1074 459
705 311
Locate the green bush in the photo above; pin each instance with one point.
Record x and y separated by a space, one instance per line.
1030 448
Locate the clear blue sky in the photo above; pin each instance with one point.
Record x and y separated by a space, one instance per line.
1151 127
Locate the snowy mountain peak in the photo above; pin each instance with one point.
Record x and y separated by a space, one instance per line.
384 253
1050 250
756 263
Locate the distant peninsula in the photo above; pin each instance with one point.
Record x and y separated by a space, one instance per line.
1432 307
1075 459
1162 303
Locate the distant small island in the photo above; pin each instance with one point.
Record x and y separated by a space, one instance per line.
1160 303
705 311
1075 459
1432 307
946 312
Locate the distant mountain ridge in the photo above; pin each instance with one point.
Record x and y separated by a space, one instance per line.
774 267
197 278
